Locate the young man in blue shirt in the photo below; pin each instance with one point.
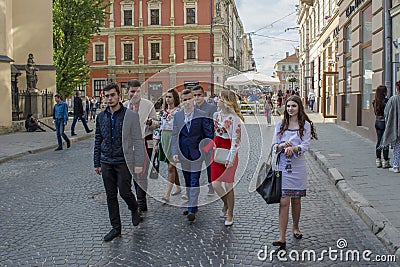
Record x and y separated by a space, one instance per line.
60 116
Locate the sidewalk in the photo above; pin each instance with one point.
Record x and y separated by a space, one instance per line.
15 145
349 161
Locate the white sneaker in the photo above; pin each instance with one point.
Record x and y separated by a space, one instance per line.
394 170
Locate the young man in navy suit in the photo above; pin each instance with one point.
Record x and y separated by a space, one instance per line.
191 127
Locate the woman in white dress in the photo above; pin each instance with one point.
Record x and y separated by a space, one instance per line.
292 138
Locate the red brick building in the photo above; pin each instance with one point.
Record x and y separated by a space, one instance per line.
143 38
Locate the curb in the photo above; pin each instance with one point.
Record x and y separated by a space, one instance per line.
38 150
376 221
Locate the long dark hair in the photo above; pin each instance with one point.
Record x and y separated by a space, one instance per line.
175 95
301 116
379 101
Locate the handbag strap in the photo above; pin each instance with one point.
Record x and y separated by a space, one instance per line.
269 159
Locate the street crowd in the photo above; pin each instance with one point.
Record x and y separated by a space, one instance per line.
190 131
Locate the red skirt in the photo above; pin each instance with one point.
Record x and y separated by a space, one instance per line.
218 171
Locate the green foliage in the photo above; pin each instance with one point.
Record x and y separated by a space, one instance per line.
74 22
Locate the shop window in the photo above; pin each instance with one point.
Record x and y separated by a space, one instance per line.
367 23
348 80
367 77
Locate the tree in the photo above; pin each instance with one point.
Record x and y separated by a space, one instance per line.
74 23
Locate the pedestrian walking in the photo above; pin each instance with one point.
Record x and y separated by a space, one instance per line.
291 139
79 114
87 108
148 122
209 109
228 130
93 108
162 141
379 104
117 134
311 99
268 109
191 127
391 136
60 117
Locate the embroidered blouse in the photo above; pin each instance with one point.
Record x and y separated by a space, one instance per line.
166 122
229 127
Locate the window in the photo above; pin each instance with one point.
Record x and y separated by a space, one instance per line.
190 15
367 57
98 85
128 18
367 23
154 17
155 51
348 80
99 52
128 52
191 50
290 67
283 67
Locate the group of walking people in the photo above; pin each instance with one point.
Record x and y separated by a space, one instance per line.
190 131
187 130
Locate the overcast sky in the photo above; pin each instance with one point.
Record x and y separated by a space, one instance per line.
257 14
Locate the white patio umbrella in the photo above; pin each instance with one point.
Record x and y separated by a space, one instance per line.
252 78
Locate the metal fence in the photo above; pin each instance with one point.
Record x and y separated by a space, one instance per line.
22 104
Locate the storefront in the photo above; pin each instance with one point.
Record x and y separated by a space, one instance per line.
361 63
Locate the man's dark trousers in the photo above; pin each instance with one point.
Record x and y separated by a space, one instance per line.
116 177
80 116
191 170
141 187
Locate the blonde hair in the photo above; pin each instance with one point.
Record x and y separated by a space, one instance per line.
230 100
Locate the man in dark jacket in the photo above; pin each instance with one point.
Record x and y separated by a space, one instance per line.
210 109
118 152
78 114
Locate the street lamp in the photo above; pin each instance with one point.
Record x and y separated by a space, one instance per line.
291 79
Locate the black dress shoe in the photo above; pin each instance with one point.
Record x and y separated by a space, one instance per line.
90 131
73 134
281 245
68 144
298 235
112 234
136 218
58 148
191 217
185 212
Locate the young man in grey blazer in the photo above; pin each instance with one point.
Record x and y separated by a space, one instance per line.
148 122
209 109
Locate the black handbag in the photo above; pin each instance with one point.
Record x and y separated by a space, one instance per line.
269 181
155 166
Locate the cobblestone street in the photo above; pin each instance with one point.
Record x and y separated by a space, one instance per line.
54 212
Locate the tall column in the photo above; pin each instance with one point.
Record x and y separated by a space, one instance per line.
112 16
140 13
172 48
172 18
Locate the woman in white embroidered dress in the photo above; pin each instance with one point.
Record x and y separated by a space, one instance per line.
292 136
228 126
162 141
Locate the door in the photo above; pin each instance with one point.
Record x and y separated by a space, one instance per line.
329 94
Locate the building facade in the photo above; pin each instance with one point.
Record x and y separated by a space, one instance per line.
287 69
147 39
319 21
344 57
25 28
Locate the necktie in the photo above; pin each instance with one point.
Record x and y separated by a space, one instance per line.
188 122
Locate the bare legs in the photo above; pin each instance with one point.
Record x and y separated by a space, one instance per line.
227 195
284 216
173 178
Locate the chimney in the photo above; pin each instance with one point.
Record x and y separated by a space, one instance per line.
287 54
